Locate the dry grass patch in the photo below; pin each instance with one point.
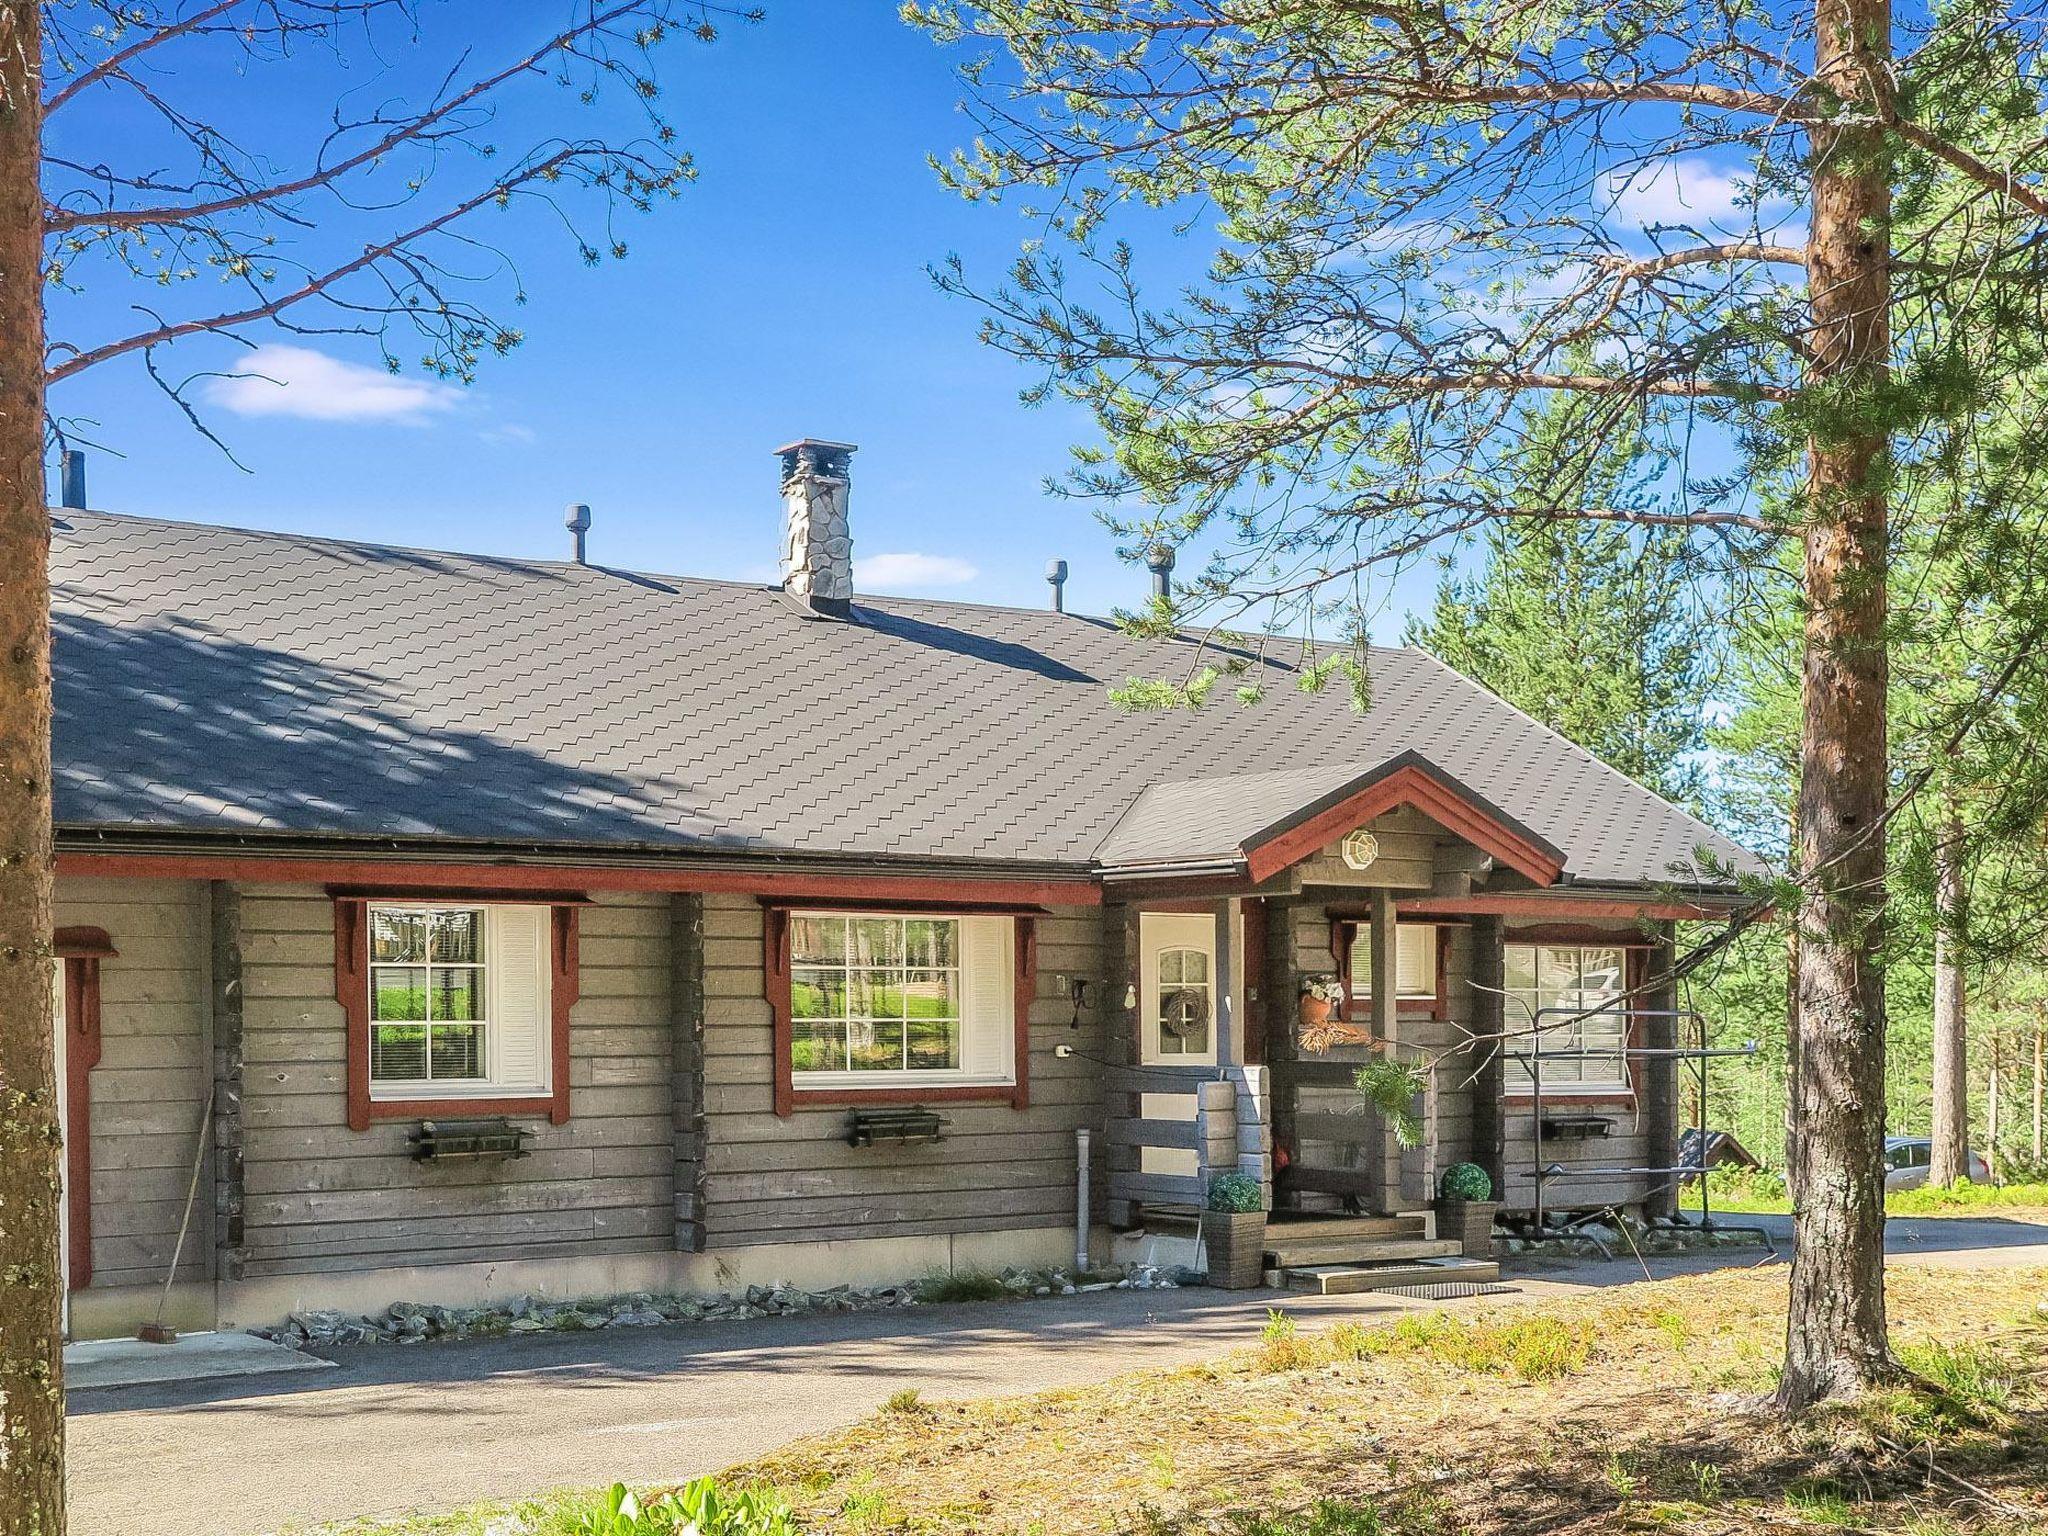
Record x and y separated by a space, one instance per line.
1614 1413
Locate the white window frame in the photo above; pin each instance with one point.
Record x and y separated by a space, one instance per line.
499 968
988 1049
1429 951
1159 932
1568 1078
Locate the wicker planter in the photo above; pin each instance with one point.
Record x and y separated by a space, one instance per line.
1469 1224
1236 1241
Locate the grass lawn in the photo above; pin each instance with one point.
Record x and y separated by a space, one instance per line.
1624 1412
2024 1202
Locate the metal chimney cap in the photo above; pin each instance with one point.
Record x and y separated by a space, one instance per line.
1055 571
576 517
1159 557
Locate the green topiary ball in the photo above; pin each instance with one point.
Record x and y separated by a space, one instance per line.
1235 1192
1465 1181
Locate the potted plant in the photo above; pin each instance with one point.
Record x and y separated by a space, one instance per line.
1464 1209
1234 1231
1319 995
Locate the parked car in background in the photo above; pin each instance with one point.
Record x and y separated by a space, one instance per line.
1906 1159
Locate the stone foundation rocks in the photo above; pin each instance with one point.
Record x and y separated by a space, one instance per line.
406 1322
1587 1239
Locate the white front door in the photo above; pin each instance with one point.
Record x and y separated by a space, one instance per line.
1180 1014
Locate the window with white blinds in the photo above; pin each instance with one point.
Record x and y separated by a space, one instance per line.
458 1001
1415 962
888 1000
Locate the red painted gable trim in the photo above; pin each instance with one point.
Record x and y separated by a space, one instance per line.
1405 786
398 878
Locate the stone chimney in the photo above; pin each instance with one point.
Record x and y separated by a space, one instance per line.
817 543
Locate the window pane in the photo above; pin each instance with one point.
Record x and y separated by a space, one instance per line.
1194 965
934 1043
398 1053
457 1050
874 994
875 941
932 995
928 944
398 992
457 937
1169 967
819 1047
400 936
815 994
877 1045
1600 970
817 940
456 993
1521 968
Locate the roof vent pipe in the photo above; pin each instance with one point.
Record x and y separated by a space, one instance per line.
1056 578
1159 559
74 479
576 518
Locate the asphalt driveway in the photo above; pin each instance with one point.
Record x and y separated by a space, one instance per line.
402 1430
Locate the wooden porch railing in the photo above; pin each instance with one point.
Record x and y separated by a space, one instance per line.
1224 1127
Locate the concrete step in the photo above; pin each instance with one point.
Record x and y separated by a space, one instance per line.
1289 1254
1351 1279
1318 1228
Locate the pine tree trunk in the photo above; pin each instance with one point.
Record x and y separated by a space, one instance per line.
31 1345
1835 1332
2040 1061
1951 1119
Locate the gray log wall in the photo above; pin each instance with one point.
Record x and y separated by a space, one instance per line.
770 1179
319 1196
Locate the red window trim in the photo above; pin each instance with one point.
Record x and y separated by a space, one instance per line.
1344 933
352 991
79 951
787 1097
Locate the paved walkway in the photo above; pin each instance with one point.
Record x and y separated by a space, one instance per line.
393 1431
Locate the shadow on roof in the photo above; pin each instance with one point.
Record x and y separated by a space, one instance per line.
202 728
943 637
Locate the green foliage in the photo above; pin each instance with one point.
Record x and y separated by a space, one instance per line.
1235 1191
962 1285
905 1400
1465 1181
1534 1348
1962 1198
1282 1347
1391 1087
698 1508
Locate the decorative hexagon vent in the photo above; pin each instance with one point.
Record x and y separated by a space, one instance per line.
1360 848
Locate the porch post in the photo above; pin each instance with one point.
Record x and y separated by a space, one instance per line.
1488 1124
1386 1026
1660 1073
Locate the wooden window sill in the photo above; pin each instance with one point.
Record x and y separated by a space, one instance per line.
959 1093
538 1105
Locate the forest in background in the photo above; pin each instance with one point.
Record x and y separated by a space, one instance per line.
1693 692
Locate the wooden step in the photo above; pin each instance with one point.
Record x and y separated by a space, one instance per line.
1322 1228
1352 1279
1289 1254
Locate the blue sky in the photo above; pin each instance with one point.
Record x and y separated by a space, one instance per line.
785 295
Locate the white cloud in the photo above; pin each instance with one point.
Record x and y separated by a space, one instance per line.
909 570
280 380
1689 189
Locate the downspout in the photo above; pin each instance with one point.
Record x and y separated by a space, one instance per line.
1081 1222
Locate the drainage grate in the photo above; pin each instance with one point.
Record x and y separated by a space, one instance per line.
1447 1290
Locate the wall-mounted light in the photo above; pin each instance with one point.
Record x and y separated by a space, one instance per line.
1131 996
1079 989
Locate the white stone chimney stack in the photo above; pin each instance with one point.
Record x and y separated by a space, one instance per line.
817 543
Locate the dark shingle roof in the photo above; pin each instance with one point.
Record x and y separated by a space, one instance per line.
215 679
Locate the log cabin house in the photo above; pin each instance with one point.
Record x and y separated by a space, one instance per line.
445 928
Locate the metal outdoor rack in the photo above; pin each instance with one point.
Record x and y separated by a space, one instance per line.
1695 1057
